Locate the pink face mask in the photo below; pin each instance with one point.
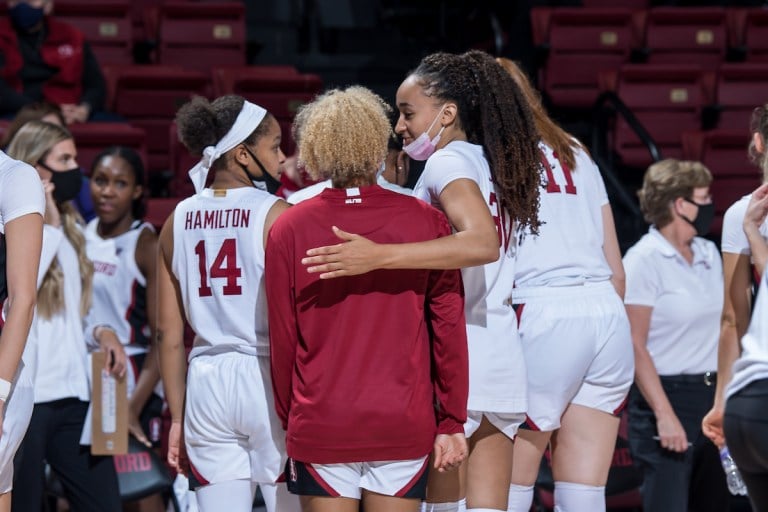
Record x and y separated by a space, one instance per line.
422 147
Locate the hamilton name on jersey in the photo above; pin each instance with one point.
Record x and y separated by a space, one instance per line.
218 219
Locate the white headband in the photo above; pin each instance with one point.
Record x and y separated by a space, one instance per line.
247 120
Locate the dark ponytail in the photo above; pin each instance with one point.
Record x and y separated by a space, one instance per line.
493 113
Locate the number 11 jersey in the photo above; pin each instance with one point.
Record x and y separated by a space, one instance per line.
218 259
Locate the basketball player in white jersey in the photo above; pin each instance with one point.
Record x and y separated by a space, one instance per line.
22 205
569 284
482 171
123 249
740 264
211 271
744 422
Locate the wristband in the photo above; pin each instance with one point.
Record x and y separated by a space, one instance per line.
5 389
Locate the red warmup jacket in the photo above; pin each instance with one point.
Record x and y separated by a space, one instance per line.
62 49
358 363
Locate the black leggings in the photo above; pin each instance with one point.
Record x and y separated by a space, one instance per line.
746 433
90 482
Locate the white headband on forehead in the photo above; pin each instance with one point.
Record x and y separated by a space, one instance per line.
248 119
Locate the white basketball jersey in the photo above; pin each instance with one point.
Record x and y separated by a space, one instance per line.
497 379
753 363
569 247
218 259
119 287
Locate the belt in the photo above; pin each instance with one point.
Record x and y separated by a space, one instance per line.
707 378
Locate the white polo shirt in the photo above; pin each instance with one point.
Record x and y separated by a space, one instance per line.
753 363
687 302
734 240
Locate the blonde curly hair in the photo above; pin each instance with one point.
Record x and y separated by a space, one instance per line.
664 182
343 134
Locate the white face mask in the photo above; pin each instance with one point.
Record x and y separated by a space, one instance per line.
422 147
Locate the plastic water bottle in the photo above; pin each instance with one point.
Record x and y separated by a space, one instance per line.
732 475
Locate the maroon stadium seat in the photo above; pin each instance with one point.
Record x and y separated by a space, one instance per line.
181 162
107 26
277 88
582 42
740 88
756 35
724 152
202 35
627 4
92 138
158 210
686 36
725 192
149 96
667 100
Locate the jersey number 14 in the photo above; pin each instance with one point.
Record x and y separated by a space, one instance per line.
224 267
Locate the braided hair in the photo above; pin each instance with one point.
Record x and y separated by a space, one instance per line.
493 113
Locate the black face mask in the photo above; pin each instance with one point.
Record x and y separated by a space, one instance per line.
266 180
67 183
703 220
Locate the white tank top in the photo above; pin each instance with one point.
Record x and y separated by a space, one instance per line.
218 259
569 247
119 287
497 378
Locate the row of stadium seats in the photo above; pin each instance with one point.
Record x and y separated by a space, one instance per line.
690 113
149 96
581 42
671 99
196 35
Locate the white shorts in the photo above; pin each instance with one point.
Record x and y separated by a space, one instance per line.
578 349
17 412
507 423
400 478
230 428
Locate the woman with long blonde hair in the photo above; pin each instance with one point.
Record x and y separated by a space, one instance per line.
56 348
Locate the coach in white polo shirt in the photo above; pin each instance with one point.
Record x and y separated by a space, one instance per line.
674 300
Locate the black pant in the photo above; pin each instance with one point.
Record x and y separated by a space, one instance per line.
678 482
746 433
90 482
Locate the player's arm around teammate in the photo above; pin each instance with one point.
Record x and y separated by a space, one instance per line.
738 258
364 434
482 171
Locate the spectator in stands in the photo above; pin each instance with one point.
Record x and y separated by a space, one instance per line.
50 113
38 111
56 347
42 58
739 257
674 299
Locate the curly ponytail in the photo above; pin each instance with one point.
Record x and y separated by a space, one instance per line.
493 113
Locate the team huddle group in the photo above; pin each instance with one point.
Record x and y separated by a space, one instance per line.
363 347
